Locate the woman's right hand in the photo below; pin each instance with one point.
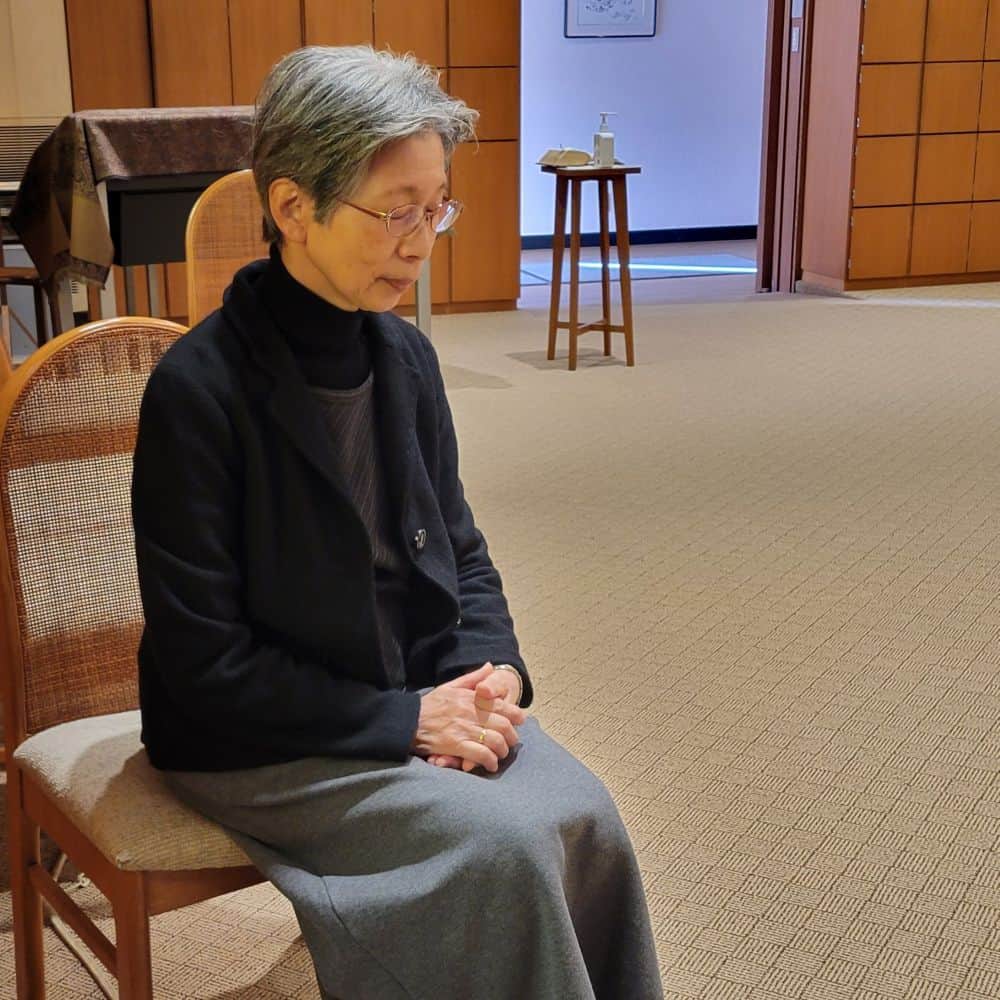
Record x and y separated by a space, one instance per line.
452 724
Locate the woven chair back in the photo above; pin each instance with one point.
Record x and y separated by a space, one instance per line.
68 593
224 233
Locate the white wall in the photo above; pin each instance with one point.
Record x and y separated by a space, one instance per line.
690 102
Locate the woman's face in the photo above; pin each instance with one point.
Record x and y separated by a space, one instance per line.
350 260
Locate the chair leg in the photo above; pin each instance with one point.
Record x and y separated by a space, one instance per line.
29 956
134 966
52 294
41 330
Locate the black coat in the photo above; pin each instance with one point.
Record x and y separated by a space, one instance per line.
256 572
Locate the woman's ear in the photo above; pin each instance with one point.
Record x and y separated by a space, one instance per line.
291 209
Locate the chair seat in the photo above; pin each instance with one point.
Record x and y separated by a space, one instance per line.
98 772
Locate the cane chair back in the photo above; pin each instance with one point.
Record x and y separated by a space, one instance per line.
224 233
72 617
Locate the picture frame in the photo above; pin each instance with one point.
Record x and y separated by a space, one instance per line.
610 19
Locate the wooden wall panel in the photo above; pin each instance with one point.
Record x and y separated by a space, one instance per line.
109 54
420 28
989 109
338 22
190 42
987 187
946 167
486 248
894 31
993 31
484 34
956 31
496 95
951 97
260 33
884 170
889 100
880 242
940 239
984 241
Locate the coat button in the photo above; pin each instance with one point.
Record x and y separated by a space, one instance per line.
458 622
420 540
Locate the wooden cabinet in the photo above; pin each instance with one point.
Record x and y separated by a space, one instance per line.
496 94
884 170
940 239
951 97
889 100
338 22
946 166
955 30
260 33
109 54
190 45
894 30
484 34
485 264
880 242
420 28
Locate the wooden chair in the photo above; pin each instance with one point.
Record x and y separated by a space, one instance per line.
224 233
71 619
42 292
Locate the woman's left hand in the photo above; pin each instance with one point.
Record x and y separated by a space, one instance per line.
500 685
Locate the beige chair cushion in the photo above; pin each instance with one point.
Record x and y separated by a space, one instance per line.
98 772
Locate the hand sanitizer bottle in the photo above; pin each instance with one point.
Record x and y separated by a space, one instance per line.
604 143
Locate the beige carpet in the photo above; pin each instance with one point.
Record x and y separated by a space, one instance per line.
757 578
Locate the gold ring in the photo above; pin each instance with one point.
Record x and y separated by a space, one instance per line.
482 736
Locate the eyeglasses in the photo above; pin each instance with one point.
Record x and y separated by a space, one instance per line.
407 219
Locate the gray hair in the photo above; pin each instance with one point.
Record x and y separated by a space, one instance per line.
322 114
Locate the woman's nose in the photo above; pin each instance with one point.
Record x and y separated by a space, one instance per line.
420 242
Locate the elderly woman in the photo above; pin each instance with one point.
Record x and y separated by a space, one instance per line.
328 668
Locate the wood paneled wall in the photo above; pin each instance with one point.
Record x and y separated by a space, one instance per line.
171 53
922 196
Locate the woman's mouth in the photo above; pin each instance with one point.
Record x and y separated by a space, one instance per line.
401 285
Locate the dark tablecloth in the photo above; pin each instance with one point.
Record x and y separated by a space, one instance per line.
57 214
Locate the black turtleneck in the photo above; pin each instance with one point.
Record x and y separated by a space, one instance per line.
328 343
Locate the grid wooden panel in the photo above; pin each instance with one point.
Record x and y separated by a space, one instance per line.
420 28
987 187
485 263
951 97
894 30
984 242
260 33
956 31
940 239
989 108
109 54
880 242
884 170
889 100
190 44
993 31
946 166
484 34
347 22
495 93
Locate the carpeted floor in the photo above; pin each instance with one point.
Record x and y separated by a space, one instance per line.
757 578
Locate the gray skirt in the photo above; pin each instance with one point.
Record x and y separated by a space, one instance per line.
414 881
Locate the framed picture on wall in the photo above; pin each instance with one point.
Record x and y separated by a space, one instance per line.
610 18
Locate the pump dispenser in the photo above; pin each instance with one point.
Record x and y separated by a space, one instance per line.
604 142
